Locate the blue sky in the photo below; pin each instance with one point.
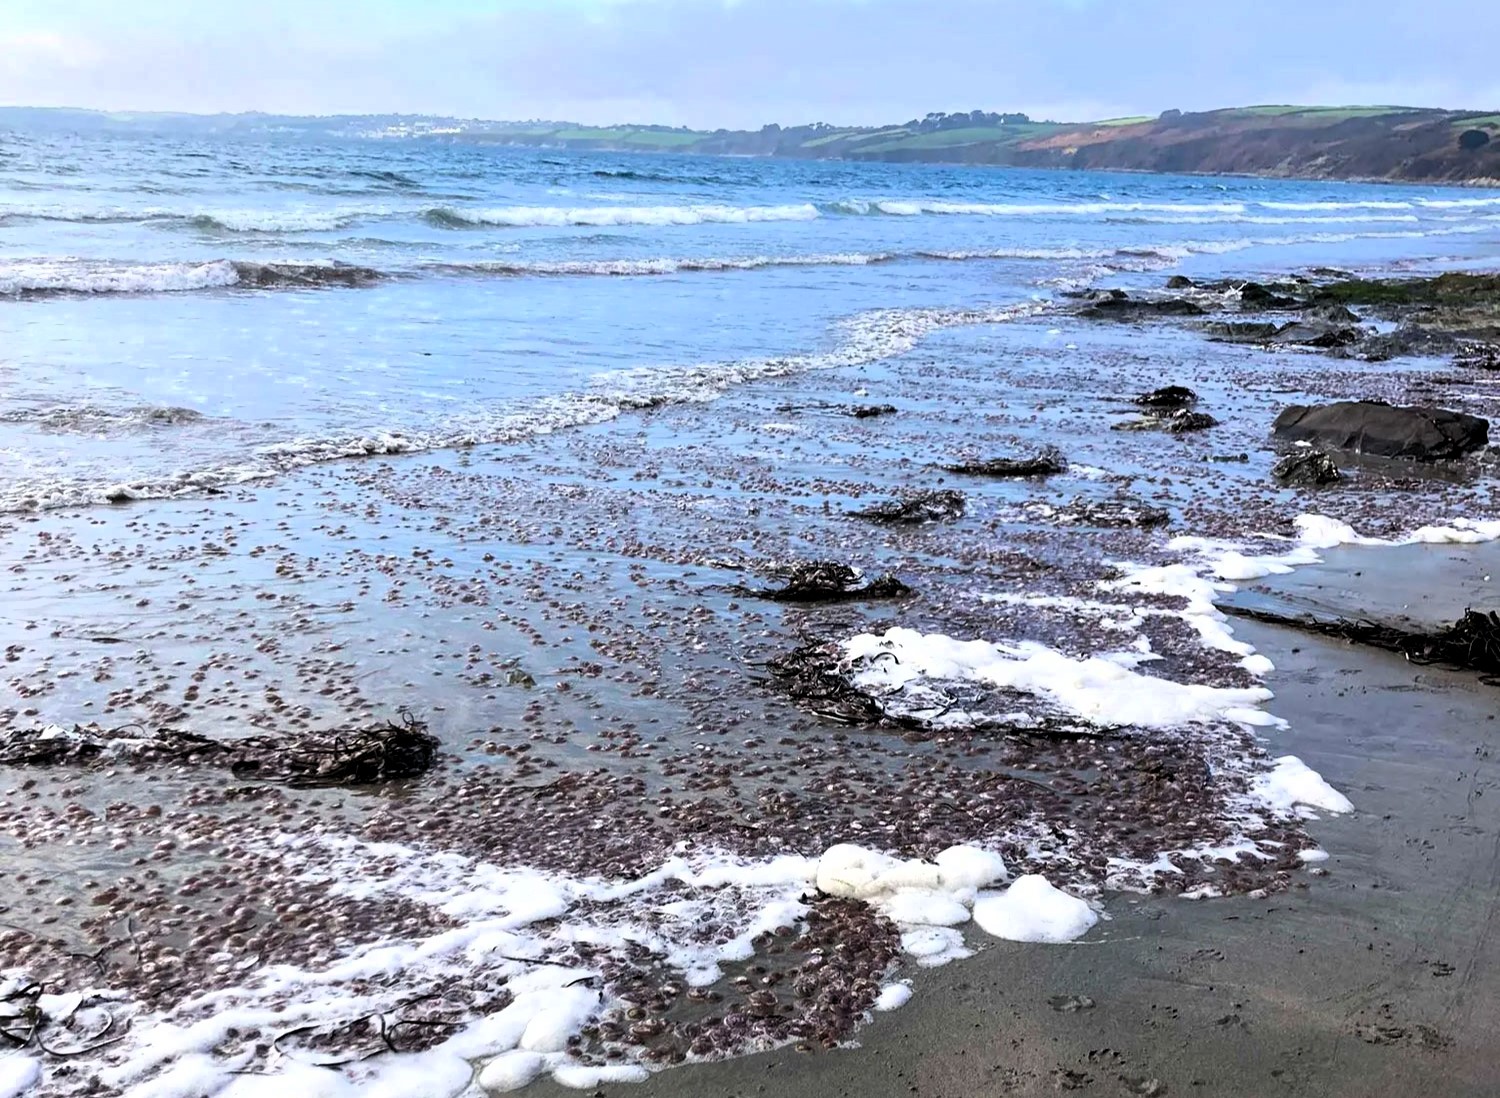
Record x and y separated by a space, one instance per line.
745 62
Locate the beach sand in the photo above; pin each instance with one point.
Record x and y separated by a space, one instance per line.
1380 978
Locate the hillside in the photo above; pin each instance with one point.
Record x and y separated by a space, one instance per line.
1395 143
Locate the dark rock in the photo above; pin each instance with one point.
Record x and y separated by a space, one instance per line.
1170 396
1306 469
1384 430
1044 463
1407 341
1254 295
922 507
1330 313
1305 334
1123 307
1180 282
1254 331
870 411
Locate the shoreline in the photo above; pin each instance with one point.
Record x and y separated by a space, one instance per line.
1378 978
778 473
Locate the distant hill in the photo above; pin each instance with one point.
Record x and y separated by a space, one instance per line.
1395 143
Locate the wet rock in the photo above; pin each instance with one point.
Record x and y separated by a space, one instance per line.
1182 421
1117 305
1306 469
1180 282
1315 334
1170 396
1044 463
939 506
1478 356
1405 342
830 581
870 411
1255 295
1257 331
1385 430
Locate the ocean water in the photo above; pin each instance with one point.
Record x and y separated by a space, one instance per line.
299 437
299 302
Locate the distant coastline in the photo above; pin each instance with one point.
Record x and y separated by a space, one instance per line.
1396 144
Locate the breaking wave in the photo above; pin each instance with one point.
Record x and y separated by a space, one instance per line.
31 278
449 217
91 419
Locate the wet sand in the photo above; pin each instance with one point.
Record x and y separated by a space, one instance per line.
1380 978
566 612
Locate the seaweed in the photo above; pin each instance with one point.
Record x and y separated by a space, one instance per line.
356 756
1471 643
921 507
1044 463
828 581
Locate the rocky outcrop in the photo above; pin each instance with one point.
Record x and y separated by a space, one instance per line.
1385 430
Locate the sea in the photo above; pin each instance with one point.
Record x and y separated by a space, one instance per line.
477 293
527 451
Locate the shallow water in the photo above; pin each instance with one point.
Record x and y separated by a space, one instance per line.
627 793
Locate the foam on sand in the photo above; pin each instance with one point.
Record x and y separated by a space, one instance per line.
1031 910
1102 690
515 928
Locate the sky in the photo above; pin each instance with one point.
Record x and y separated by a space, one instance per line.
743 63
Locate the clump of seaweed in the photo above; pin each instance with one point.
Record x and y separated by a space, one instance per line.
1169 396
1044 463
1113 514
357 756
1472 642
829 581
937 506
812 676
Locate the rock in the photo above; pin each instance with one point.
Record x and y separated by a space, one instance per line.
1305 334
1253 331
1254 295
1117 305
1180 282
1182 421
1478 356
1169 396
1306 469
870 411
1385 430
1044 463
1406 341
922 507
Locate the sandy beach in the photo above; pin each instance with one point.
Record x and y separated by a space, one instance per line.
1381 977
668 806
